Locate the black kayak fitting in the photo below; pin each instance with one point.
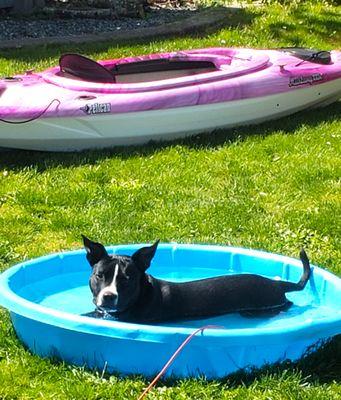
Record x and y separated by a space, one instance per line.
311 55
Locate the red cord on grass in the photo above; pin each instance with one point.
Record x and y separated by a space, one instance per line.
176 353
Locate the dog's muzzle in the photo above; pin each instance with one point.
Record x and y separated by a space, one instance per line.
107 300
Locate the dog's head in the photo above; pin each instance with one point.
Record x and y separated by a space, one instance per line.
116 279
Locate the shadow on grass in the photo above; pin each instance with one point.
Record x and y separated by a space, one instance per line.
18 159
320 364
325 25
237 18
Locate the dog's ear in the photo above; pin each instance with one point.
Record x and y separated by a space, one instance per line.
143 257
94 251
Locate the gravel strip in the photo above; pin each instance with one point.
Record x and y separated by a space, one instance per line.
11 28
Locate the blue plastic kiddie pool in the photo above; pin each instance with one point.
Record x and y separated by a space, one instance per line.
47 296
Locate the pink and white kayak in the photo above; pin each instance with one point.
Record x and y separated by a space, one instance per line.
83 104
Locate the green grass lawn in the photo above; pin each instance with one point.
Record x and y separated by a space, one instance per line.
274 186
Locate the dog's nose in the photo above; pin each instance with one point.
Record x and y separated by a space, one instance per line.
108 296
109 300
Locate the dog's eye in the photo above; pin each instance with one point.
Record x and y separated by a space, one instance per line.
99 276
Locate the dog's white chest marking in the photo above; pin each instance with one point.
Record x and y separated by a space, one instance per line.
112 288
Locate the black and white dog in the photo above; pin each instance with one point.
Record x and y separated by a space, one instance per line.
121 288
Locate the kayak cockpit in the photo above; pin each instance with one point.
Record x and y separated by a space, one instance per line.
154 71
75 66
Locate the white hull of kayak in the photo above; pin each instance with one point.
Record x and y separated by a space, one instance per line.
101 131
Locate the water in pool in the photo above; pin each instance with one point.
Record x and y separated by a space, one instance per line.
73 295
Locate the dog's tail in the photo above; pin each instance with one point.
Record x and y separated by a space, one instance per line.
300 285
